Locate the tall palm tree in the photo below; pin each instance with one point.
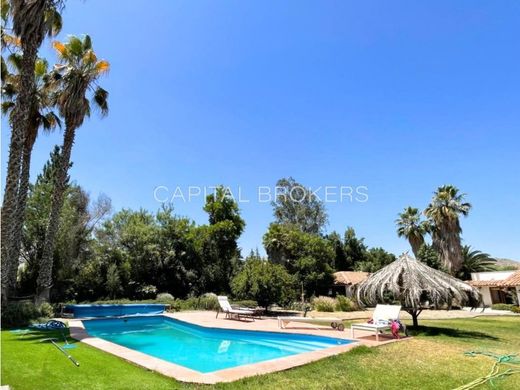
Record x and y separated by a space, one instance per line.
410 226
475 261
76 76
443 211
41 116
31 21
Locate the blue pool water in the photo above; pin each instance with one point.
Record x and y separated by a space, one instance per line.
87 311
203 349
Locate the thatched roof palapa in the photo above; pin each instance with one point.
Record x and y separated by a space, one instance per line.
416 286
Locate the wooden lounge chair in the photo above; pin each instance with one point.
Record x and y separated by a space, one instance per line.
381 318
335 323
230 312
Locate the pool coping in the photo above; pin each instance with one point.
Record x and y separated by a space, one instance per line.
184 374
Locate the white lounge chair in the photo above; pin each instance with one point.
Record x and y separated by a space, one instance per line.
380 319
230 312
335 323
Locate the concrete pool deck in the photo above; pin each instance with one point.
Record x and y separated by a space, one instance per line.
207 319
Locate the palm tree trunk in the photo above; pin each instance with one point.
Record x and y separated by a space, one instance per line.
44 280
20 123
23 189
416 243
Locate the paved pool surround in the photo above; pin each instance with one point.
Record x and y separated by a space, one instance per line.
207 319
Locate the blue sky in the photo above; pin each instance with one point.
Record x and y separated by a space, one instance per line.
400 97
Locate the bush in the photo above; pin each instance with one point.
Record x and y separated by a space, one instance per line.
164 297
245 303
147 291
24 313
345 304
324 304
204 302
515 309
502 306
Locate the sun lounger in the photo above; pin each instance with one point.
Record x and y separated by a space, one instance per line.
335 323
381 318
230 312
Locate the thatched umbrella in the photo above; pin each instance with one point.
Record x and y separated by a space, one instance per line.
416 286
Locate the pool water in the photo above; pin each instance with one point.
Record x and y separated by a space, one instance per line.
203 349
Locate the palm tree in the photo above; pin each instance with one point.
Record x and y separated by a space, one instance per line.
410 226
31 21
41 116
475 261
443 212
75 76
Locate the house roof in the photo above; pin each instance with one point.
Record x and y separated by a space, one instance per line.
348 278
511 281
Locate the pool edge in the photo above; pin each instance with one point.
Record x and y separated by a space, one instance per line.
184 374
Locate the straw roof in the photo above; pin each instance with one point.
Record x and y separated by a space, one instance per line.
415 285
349 278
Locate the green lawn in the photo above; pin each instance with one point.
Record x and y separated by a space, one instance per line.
432 360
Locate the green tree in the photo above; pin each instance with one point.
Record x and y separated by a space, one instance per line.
354 248
410 226
443 213
305 255
264 282
475 261
299 206
376 258
31 22
113 284
428 255
77 74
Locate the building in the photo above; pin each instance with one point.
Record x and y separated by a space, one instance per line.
497 286
345 281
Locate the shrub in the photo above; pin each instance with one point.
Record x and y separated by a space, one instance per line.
324 304
515 309
147 291
46 310
204 302
502 306
245 303
165 297
20 314
345 304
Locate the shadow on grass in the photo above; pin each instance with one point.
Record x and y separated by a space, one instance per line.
429 331
36 335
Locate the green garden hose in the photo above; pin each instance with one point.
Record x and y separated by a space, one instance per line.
512 362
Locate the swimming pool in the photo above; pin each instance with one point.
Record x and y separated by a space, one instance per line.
203 349
109 310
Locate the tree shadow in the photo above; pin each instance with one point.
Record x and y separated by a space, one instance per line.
37 335
429 331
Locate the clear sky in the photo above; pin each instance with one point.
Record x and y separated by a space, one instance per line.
400 97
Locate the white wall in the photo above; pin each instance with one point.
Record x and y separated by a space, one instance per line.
494 275
486 295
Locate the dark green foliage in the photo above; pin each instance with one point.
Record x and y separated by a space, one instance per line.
474 261
296 205
428 255
264 282
16 314
307 256
376 258
503 306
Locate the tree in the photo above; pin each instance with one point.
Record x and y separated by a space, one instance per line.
299 206
443 212
475 261
305 255
264 282
77 74
40 116
429 256
113 281
31 21
354 248
221 248
410 226
376 258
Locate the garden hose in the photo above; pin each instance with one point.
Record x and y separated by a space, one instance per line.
500 360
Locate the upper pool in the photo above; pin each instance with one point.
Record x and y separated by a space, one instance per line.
108 310
203 349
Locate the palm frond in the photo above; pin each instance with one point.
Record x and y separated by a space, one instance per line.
7 106
415 285
102 67
61 49
100 98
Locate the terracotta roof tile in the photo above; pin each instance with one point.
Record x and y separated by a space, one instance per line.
349 277
513 280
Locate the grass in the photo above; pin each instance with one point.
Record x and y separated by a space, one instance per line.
432 360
